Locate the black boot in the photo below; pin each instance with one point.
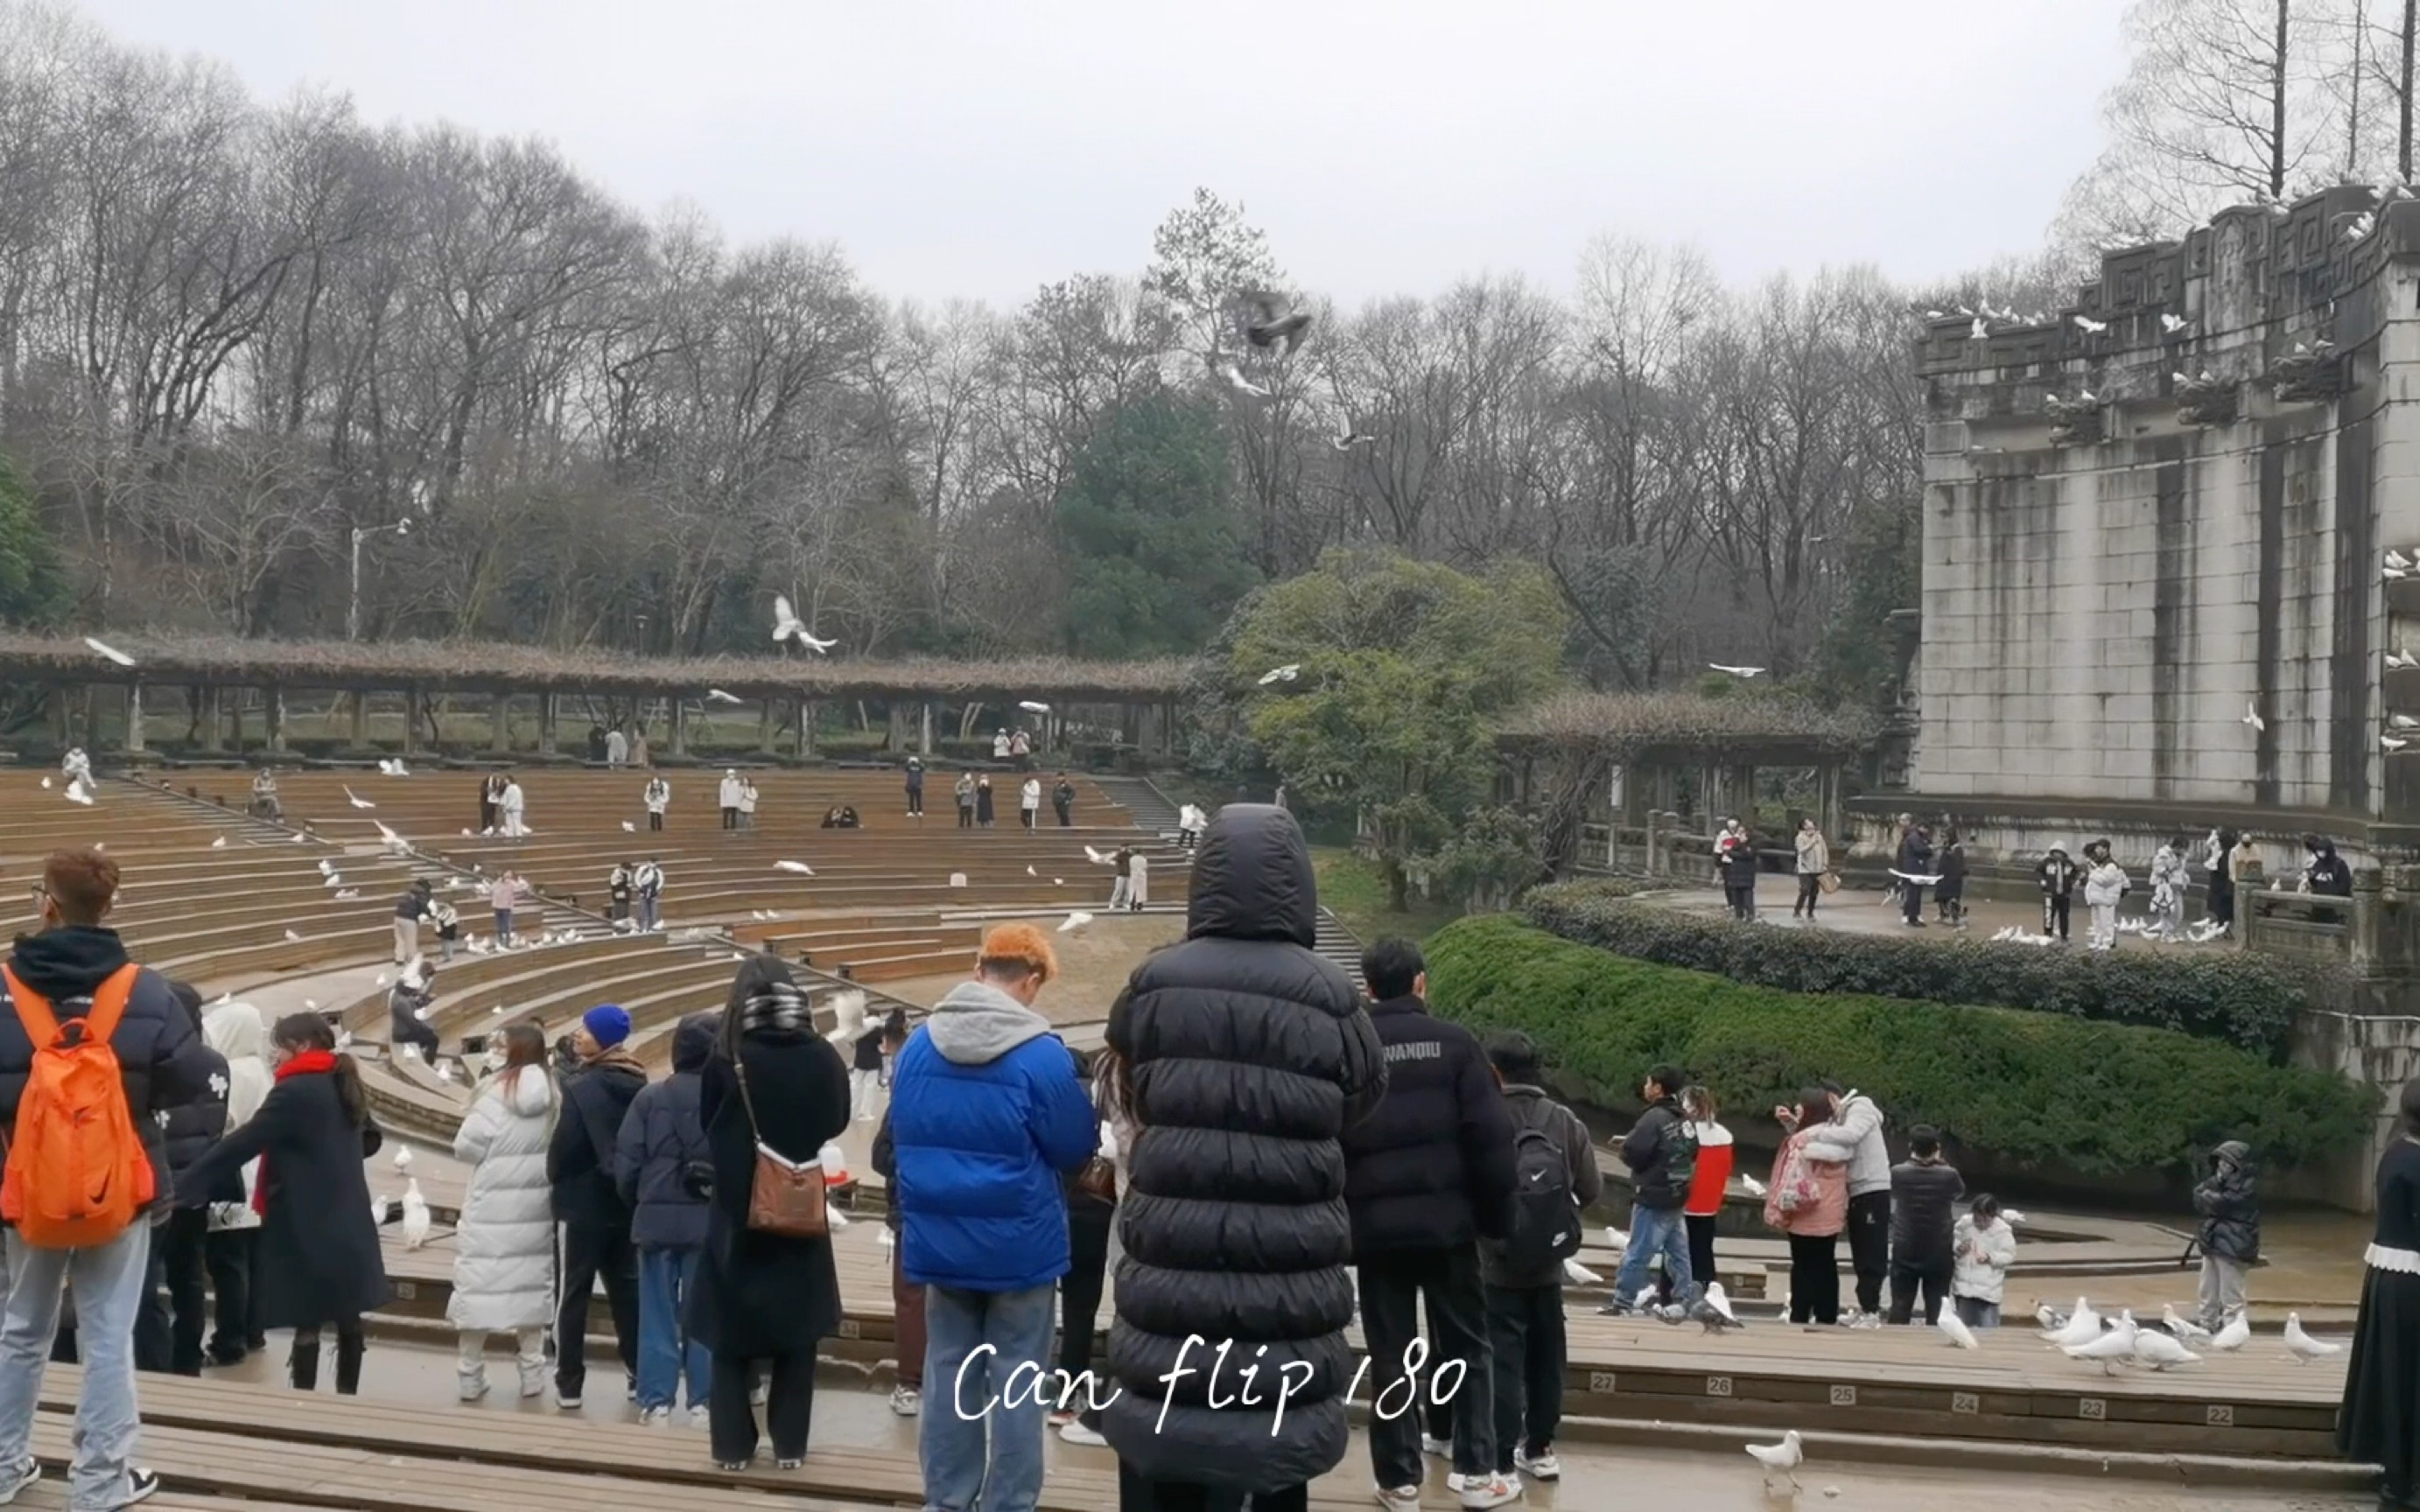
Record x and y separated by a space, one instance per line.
351 1346
302 1365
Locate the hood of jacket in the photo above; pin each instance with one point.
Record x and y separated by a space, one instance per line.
529 1094
233 1030
2235 1152
68 962
616 1060
1252 879
693 1040
976 1023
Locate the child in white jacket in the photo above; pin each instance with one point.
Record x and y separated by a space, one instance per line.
2105 885
1982 1247
2170 881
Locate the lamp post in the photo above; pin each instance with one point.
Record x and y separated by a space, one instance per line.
353 605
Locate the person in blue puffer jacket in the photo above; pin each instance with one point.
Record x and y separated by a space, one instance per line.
986 1113
663 1138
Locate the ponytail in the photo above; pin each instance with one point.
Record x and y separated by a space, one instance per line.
309 1031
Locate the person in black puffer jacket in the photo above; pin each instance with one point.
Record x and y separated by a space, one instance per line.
663 1138
1249 1057
588 1203
2230 1233
168 1333
1427 1175
1662 1154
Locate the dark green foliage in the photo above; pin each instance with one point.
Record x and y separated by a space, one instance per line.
33 590
1152 556
1854 660
2033 1088
2245 999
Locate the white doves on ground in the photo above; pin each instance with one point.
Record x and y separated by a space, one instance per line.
1737 672
349 895
801 868
218 844
2106 1350
2386 743
2234 1334
415 1215
1616 1238
377 1210
331 879
2183 1327
46 783
1754 1187
721 697
1713 1311
2398 561
2089 325
77 793
1031 873
1075 921
1784 1458
326 866
292 938
1979 331
111 651
2304 1348
1955 1327
2082 1326
357 800
2050 1317
2161 1351
1286 673
2252 717
1916 878
403 1158
628 828
2399 658
1237 381
788 627
393 766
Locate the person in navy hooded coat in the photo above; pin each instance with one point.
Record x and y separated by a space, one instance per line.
986 1113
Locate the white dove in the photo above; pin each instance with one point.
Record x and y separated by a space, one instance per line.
78 793
1075 921
46 783
393 842
2182 1328
415 1215
1959 1333
628 828
1286 673
1737 672
2403 721
1753 1187
331 879
2089 325
957 879
1714 1309
1616 1238
2014 1217
2384 742
721 697
2172 324
1346 437
1979 331
2050 1317
1920 879
2161 1351
2082 1326
788 627
378 1208
2252 717
1035 706
2399 658
1237 381
218 844
801 868
2115 1345
393 766
403 1157
2234 1334
293 937
357 800
2397 559
1785 1456
2304 1348
349 895
1096 857
111 651
1579 1275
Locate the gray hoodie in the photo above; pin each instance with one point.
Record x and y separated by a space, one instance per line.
1854 1137
976 1023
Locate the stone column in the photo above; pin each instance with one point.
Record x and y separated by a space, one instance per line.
681 728
546 724
411 720
500 718
275 717
924 731
135 716
361 719
767 728
213 734
806 727
892 737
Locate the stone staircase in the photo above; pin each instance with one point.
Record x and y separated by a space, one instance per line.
1338 943
1144 803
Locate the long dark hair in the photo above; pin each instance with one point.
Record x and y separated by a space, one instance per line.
1814 1106
524 1046
309 1031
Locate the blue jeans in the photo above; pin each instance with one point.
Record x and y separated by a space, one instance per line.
108 1281
984 1353
666 1352
1656 1231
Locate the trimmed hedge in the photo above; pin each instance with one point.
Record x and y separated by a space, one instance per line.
2035 1087
2245 999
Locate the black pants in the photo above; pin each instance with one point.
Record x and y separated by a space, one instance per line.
2055 912
1701 1247
789 1406
1743 899
1931 1277
589 1253
227 1255
1913 896
409 1030
1135 1494
1027 815
1393 1285
182 1245
731 819
302 1366
655 820
1815 1278
1524 1330
1079 1293
1949 906
1869 1246
154 1339
1810 887
966 816
2222 900
916 802
1066 814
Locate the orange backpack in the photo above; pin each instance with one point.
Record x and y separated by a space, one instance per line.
77 1171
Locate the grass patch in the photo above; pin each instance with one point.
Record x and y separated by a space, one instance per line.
1354 889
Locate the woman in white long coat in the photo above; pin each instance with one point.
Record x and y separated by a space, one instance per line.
504 1266
235 1030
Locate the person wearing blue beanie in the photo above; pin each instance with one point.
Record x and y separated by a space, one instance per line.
588 1200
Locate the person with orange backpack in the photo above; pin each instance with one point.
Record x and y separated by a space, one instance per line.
91 1047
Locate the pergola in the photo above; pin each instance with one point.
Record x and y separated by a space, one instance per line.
1614 762
83 685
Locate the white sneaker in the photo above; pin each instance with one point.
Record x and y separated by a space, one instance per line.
533 1380
16 1477
1442 1448
1543 1467
655 1417
698 1417
1400 1499
1490 1491
1077 1432
470 1388
906 1401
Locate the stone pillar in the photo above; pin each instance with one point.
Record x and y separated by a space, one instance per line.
411 720
893 739
681 728
135 716
767 728
806 727
214 735
277 718
360 719
924 732
546 724
1829 816
500 718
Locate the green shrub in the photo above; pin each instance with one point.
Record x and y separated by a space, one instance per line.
2034 1087
2242 998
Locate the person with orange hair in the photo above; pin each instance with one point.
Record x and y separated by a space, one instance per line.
986 1115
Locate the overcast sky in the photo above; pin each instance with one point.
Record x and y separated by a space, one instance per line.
980 148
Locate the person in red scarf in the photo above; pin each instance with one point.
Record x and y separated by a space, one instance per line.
319 1265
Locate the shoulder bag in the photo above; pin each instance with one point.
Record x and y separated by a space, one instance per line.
784 1199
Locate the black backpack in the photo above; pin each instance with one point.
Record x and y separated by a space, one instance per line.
1545 1219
